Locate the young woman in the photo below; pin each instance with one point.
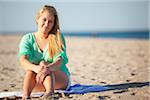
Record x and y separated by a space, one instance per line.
43 55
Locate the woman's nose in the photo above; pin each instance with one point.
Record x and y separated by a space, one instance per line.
47 22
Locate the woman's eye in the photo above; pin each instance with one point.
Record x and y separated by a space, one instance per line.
44 19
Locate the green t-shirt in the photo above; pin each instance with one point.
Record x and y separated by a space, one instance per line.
28 46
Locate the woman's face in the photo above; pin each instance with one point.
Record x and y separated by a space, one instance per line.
45 22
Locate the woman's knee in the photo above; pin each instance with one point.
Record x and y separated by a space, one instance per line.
30 73
61 80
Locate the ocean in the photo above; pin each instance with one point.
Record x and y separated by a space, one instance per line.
124 34
121 34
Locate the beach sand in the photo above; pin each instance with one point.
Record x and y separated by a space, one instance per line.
92 61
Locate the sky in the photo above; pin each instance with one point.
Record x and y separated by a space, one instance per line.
77 15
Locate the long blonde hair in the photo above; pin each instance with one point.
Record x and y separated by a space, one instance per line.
56 43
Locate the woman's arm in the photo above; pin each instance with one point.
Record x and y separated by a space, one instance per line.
48 68
55 65
27 65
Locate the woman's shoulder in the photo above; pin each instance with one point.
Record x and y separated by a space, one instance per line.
28 37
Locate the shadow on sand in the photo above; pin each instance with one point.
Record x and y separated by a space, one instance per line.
127 85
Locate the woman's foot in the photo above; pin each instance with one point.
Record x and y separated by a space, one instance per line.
47 96
26 98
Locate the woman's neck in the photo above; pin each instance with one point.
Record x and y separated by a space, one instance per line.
42 35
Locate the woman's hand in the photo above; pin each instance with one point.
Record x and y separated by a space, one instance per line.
44 64
43 72
38 68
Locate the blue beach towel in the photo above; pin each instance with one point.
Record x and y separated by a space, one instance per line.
81 89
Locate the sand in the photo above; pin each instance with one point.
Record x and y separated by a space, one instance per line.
92 61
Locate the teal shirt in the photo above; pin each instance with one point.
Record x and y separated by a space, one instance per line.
28 46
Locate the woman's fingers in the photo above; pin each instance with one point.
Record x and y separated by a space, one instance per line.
38 77
42 74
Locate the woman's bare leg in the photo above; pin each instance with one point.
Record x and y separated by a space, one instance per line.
29 83
49 83
61 82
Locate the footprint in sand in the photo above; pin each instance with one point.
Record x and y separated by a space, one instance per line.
5 90
121 91
93 79
12 85
132 74
128 80
133 93
103 97
103 82
84 65
8 69
83 77
2 79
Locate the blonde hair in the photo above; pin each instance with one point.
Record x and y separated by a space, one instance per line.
56 44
